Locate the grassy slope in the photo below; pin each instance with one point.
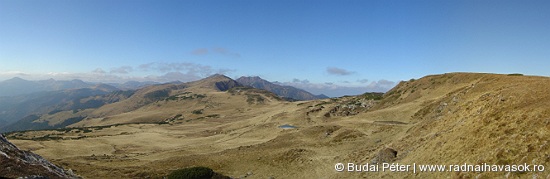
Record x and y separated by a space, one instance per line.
441 119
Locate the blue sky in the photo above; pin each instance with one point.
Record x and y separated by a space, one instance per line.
335 47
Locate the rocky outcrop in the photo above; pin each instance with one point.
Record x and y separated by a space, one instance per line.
385 155
15 163
351 107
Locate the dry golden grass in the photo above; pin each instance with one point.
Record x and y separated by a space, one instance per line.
443 119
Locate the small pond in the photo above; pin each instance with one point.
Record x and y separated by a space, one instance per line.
287 126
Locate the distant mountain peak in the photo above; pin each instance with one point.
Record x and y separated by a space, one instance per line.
105 87
50 80
16 79
253 77
282 91
322 96
217 76
218 82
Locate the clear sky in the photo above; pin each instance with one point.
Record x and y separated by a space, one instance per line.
344 46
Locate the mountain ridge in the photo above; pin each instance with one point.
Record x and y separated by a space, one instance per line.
107 107
18 86
15 109
283 91
452 118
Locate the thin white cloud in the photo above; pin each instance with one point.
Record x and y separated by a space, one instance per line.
122 70
13 73
184 68
381 84
226 52
146 67
93 76
338 71
99 71
335 90
385 83
200 51
363 81
175 76
158 72
300 81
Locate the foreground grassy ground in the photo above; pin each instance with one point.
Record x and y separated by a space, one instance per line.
443 119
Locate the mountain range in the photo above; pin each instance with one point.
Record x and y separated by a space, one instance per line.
282 91
18 86
62 103
20 112
244 132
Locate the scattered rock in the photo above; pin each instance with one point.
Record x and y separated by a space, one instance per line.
386 155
